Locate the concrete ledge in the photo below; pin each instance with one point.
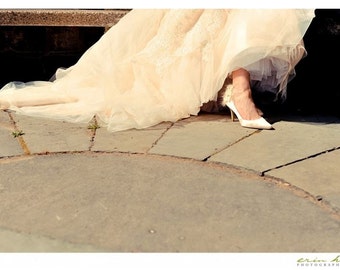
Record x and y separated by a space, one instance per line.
61 17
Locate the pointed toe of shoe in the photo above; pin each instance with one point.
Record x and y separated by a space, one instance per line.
259 123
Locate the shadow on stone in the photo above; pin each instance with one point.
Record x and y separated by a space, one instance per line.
31 53
316 89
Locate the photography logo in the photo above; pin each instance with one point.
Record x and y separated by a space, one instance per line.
319 262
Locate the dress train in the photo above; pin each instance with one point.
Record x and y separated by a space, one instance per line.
162 65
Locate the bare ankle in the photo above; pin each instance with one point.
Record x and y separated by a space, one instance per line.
244 102
241 79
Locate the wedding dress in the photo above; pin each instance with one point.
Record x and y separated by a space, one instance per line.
162 65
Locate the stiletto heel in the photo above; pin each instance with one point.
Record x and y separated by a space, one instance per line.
232 116
259 123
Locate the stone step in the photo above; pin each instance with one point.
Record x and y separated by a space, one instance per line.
61 17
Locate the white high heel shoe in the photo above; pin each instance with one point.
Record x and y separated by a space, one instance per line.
259 123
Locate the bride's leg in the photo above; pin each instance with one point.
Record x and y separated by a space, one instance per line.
242 96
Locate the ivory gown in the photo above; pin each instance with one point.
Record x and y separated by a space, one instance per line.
162 65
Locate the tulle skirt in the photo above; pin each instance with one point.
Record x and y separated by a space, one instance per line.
162 65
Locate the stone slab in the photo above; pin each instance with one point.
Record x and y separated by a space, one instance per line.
20 242
133 141
44 135
289 142
142 203
9 146
199 137
312 119
319 176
